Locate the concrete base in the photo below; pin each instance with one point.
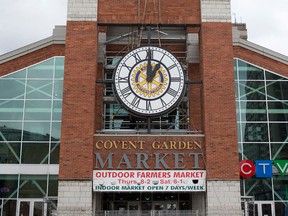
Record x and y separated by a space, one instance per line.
75 198
223 198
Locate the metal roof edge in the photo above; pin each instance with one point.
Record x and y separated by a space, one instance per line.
58 37
260 50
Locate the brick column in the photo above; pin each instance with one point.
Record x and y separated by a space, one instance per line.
78 112
219 109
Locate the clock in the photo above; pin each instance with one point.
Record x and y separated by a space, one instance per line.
149 81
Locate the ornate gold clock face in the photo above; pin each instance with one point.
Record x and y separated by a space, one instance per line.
149 81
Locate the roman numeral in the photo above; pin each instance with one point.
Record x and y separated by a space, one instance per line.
126 91
147 53
136 101
123 79
127 66
148 105
172 92
172 66
175 79
163 102
136 57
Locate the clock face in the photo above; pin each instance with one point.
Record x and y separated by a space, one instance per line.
149 81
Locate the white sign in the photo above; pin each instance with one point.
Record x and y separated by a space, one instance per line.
149 180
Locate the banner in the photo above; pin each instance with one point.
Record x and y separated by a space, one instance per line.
149 180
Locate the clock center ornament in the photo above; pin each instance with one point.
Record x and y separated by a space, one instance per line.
149 81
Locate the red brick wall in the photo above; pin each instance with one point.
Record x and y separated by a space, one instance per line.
219 101
260 60
78 112
170 12
32 58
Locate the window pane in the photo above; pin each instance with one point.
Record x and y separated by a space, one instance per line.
278 111
41 70
249 72
255 151
273 76
58 89
255 132
279 151
9 208
11 109
38 110
53 185
278 132
10 131
54 153
253 111
56 131
16 88
37 131
33 186
59 67
259 188
39 89
252 90
57 110
277 90
9 183
9 153
280 187
20 74
35 153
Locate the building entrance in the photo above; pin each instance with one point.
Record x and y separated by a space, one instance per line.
142 203
27 207
264 209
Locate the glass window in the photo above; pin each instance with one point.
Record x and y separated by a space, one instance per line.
280 187
11 109
57 110
279 151
21 74
253 111
56 131
59 68
9 208
12 89
10 131
38 131
249 72
255 132
9 152
8 185
33 186
261 189
272 76
278 132
278 111
252 90
53 185
39 89
58 89
54 153
37 110
277 90
42 70
35 153
256 151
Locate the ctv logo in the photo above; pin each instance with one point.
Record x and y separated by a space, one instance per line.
262 168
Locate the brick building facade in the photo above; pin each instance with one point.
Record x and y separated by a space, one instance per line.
184 162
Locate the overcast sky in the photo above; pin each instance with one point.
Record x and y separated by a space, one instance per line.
26 21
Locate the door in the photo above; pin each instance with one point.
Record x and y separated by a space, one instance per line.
264 209
31 208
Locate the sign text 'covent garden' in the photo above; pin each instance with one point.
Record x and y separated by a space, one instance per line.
142 153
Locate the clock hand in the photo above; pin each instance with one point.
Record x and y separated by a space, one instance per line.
149 66
155 69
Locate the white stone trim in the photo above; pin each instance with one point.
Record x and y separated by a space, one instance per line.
215 11
29 169
82 10
75 198
223 198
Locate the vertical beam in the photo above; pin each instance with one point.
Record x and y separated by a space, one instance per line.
219 120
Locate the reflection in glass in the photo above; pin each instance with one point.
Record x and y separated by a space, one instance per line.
42 70
37 110
10 152
39 89
255 151
11 110
32 186
10 131
35 153
8 185
16 88
36 131
255 132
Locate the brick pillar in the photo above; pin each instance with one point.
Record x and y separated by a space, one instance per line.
78 112
219 109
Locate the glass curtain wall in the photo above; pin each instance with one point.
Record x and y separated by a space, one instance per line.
262 120
30 124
